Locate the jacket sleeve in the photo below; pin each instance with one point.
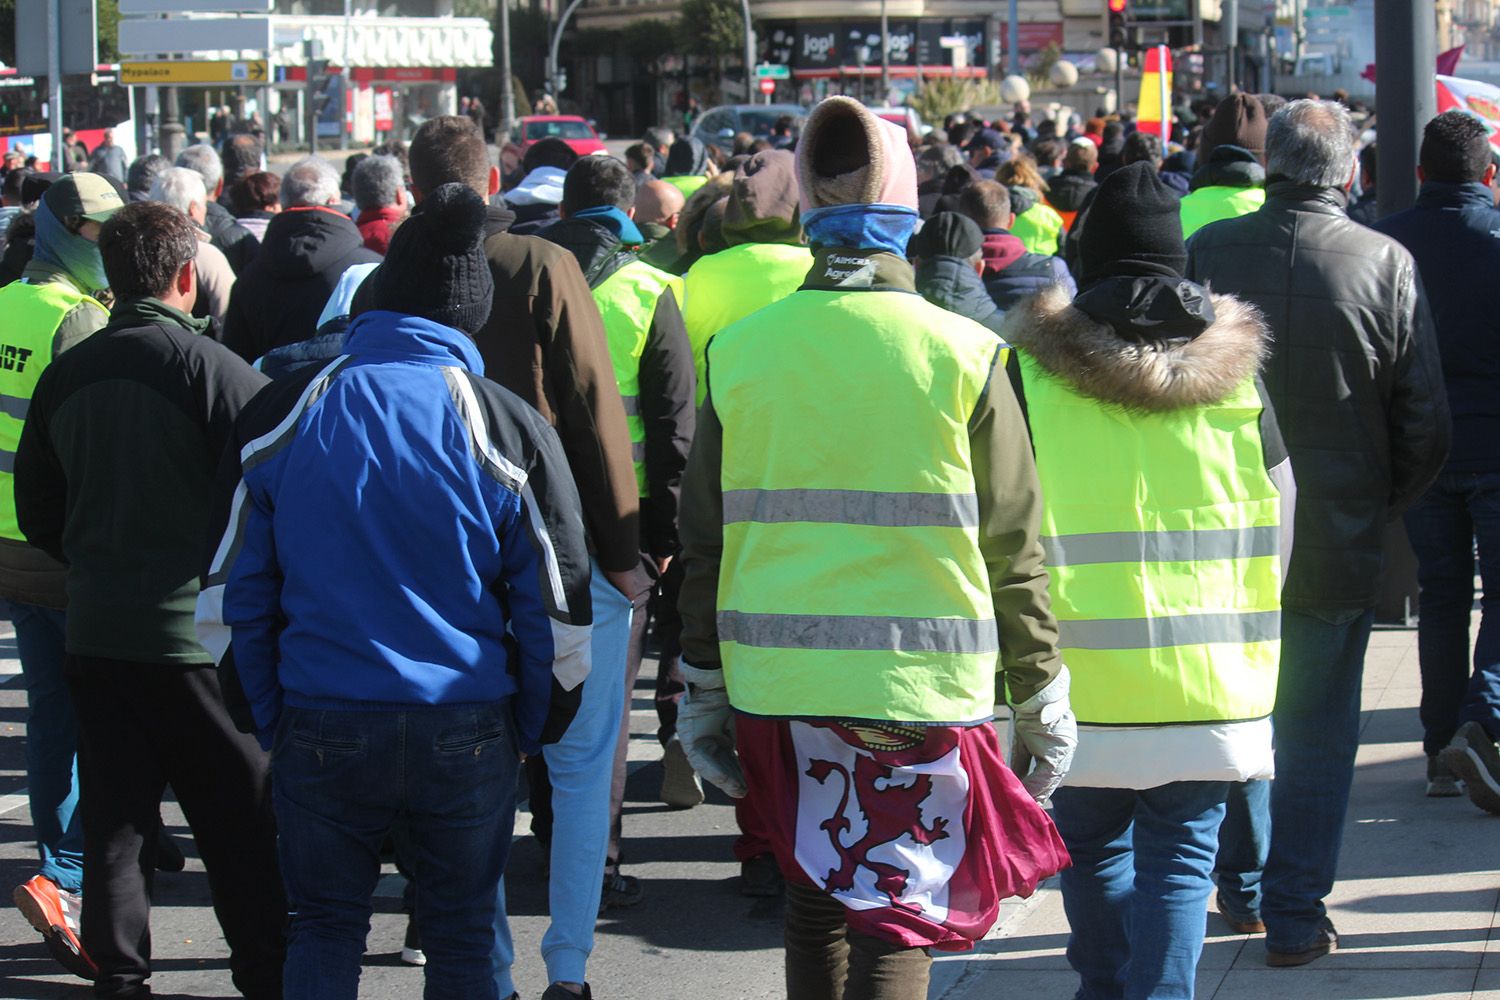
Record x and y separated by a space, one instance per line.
1419 423
41 488
227 520
1279 467
702 529
1010 517
590 414
544 587
668 388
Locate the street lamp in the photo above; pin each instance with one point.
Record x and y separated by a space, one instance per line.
885 56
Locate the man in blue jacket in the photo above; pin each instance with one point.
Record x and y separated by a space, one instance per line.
1453 233
407 581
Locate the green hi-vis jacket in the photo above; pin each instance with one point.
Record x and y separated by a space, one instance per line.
860 511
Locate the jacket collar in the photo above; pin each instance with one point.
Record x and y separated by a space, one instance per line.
380 335
386 213
1440 194
1139 375
497 219
598 250
1292 196
841 269
39 272
1000 250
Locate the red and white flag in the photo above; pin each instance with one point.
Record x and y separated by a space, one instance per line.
920 831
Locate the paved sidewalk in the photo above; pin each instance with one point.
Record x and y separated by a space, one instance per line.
1415 904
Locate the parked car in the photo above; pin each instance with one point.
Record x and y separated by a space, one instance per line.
571 129
907 118
718 126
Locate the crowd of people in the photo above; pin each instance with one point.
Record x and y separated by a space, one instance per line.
338 503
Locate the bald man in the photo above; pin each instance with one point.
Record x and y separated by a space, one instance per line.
657 208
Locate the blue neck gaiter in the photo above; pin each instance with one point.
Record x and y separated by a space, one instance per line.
615 220
862 227
69 252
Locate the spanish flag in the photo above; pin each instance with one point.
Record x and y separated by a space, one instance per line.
1154 109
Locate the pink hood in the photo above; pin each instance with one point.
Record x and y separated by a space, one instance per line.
849 156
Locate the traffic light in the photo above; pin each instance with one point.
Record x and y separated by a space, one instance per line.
1118 29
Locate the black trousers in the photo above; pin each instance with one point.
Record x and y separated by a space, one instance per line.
142 726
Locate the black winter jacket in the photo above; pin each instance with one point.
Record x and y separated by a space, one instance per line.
237 243
1354 375
953 284
278 299
668 380
1453 233
115 476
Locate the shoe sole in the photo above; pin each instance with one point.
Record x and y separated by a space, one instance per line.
1445 788
679 783
59 941
1292 959
1464 761
412 956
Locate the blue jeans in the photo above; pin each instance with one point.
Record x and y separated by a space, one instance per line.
1317 735
1135 894
51 743
1244 843
443 780
580 766
1443 527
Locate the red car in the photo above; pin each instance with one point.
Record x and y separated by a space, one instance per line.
571 129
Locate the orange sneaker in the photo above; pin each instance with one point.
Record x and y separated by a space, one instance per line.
56 913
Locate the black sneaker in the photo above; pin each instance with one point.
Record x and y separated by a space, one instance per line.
557 991
1326 940
1441 782
620 891
411 948
1472 756
761 877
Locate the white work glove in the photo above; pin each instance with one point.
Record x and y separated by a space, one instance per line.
1043 732
705 725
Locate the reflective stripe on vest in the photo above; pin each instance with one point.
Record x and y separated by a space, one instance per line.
29 318
627 303
851 583
1163 542
725 287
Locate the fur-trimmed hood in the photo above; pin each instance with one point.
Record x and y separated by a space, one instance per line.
1145 375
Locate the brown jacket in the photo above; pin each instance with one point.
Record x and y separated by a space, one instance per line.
545 342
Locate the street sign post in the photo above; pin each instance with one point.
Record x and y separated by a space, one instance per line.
199 73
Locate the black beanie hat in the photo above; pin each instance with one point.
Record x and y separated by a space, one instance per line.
946 234
436 266
1133 228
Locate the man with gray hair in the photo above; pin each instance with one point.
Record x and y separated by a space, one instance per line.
237 242
380 196
1357 387
308 246
183 189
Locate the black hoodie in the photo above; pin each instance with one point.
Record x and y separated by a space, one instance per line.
278 298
